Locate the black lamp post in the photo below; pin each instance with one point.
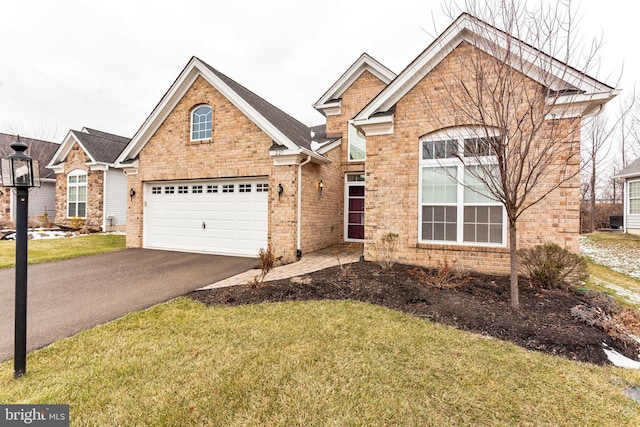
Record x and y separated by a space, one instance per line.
19 170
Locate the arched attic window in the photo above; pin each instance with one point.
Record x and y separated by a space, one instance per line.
201 123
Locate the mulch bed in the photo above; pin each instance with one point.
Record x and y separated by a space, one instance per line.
543 323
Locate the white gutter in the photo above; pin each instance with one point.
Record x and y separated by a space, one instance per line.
299 239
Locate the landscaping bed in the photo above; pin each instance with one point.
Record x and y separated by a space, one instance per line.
481 305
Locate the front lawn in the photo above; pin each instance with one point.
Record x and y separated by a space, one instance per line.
45 250
310 363
614 265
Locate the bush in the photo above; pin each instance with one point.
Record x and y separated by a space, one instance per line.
446 276
551 266
267 261
385 250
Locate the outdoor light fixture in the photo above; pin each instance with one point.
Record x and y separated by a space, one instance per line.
280 190
320 186
19 170
132 193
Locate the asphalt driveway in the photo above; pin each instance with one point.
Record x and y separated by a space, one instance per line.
66 297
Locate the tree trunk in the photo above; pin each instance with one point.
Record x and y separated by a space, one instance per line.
592 215
513 259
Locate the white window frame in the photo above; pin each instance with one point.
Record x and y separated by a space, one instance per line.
352 131
347 184
629 198
191 130
458 135
77 173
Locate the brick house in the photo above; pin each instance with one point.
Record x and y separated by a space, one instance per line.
216 168
41 199
88 186
631 202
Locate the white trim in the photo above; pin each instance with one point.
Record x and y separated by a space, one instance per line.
185 80
98 166
328 146
458 134
63 151
193 110
472 30
379 125
348 184
78 173
351 126
329 103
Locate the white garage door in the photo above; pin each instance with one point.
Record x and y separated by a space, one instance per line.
215 216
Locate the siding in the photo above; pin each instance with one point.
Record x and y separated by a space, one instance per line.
41 200
115 203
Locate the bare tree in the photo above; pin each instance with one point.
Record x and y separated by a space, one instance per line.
526 141
596 139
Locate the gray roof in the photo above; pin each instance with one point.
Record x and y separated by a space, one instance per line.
102 146
631 170
293 129
40 150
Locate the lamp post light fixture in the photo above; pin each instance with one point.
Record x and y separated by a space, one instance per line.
19 170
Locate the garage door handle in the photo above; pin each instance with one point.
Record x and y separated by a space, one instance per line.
204 225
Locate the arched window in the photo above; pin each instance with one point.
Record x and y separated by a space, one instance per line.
77 194
201 119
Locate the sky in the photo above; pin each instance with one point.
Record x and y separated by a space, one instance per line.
106 64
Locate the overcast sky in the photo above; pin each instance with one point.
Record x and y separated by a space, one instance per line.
106 64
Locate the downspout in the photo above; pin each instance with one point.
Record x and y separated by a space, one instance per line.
104 201
299 238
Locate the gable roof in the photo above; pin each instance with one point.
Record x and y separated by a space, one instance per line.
330 99
40 150
283 129
631 171
100 147
557 76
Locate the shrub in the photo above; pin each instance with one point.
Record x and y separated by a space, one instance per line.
76 223
551 266
385 250
267 260
446 276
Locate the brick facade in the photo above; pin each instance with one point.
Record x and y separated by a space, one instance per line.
238 148
77 160
392 186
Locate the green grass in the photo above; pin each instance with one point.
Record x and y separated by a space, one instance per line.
56 249
607 281
620 238
325 363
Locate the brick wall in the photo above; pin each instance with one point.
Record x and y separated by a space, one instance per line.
77 159
392 174
238 148
322 211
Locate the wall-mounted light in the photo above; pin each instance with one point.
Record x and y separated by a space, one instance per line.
1 193
132 193
280 190
320 186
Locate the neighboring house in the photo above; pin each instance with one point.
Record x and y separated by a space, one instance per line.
631 210
216 168
88 187
41 199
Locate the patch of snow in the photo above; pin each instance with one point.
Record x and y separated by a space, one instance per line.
620 258
619 290
621 361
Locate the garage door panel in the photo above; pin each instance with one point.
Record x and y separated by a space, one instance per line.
235 222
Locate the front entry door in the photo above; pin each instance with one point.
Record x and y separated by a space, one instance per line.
354 208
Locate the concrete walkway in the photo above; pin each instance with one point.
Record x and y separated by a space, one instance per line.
325 258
